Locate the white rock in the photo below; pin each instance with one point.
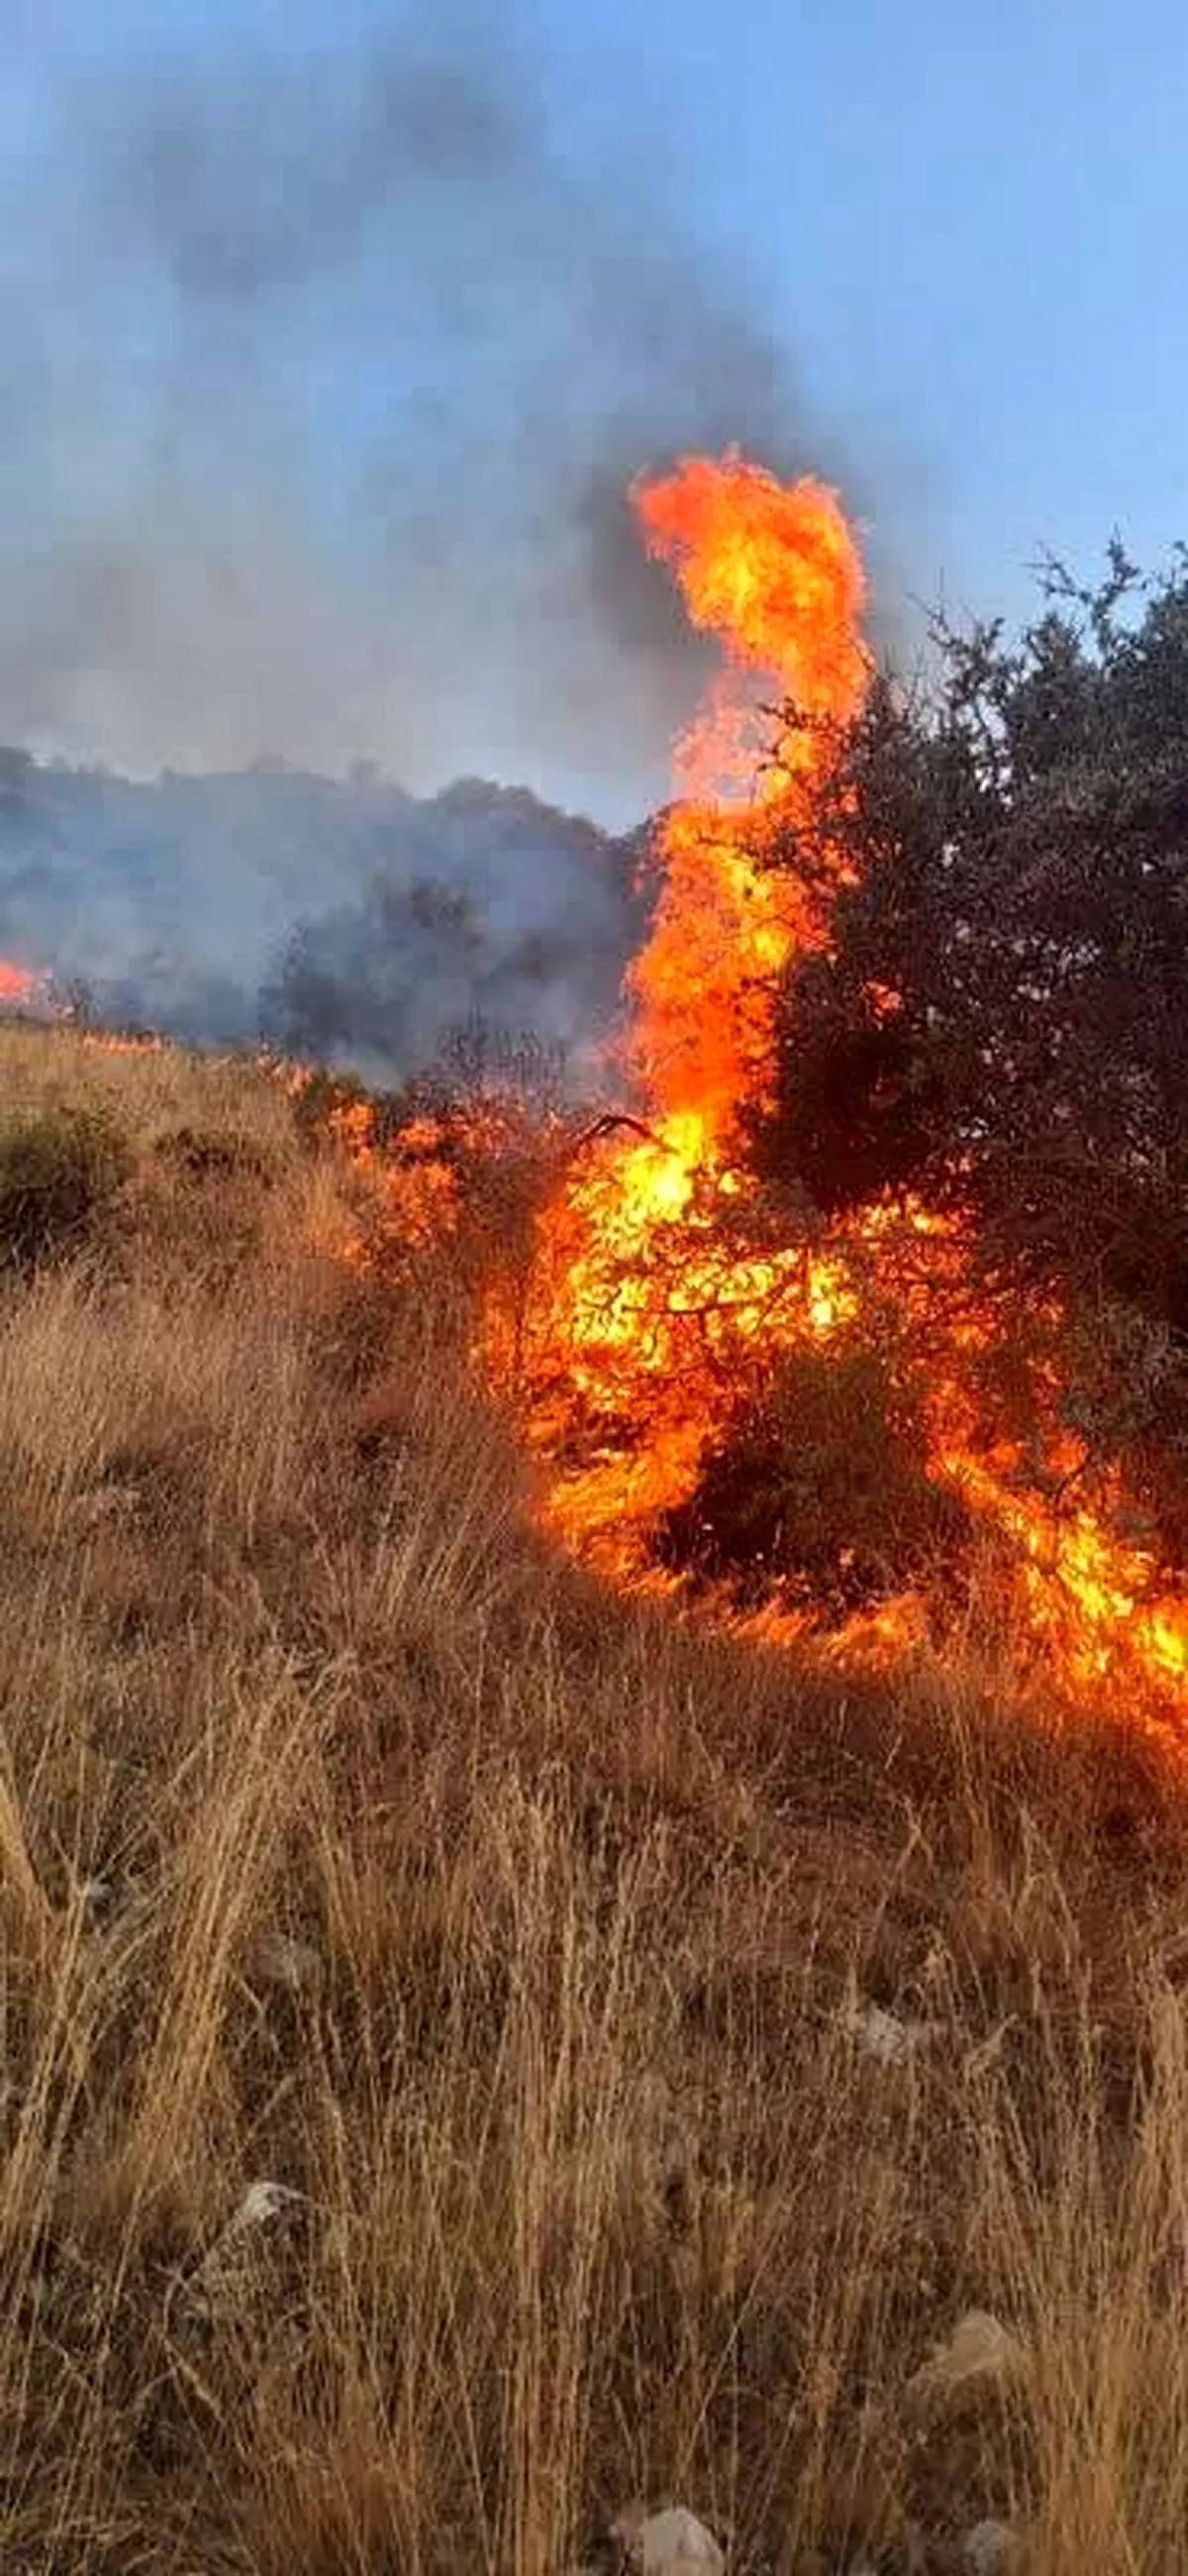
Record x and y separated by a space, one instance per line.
991 2549
980 2349
221 2280
261 2203
890 2041
276 1959
668 2543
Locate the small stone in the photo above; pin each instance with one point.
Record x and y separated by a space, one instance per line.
105 1503
261 2203
667 2544
981 2351
890 2041
218 2284
277 1959
991 2549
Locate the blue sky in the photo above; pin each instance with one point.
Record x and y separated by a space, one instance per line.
973 218
332 335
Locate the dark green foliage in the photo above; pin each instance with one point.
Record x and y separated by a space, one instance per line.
1001 1022
1020 847
819 1491
60 1171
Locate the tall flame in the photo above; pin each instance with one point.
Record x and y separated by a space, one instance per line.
646 1293
775 573
661 1272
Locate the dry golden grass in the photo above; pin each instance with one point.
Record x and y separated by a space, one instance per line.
349 1844
154 1088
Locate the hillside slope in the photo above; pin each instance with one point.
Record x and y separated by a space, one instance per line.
476 2050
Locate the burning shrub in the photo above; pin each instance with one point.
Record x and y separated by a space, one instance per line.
339 1108
60 1170
819 1492
318 1098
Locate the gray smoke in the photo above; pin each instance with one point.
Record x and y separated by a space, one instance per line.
332 346
342 920
336 356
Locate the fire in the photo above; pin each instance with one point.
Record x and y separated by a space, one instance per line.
25 989
775 573
17 983
657 1274
660 1269
660 1280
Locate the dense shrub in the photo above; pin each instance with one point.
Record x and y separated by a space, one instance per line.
1002 1015
999 1021
60 1170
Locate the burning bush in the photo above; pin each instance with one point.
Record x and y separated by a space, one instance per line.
799 1317
60 1170
998 1023
818 1492
324 1102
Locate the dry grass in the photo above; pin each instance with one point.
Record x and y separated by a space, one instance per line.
594 2190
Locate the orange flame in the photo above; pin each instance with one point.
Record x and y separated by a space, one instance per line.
648 1300
23 988
776 574
659 1269
661 1266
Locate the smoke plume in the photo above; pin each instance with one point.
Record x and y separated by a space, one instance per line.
334 351
342 920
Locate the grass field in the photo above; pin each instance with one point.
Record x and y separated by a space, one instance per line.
525 1940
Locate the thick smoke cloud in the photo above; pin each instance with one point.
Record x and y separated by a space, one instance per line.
343 920
337 350
332 345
